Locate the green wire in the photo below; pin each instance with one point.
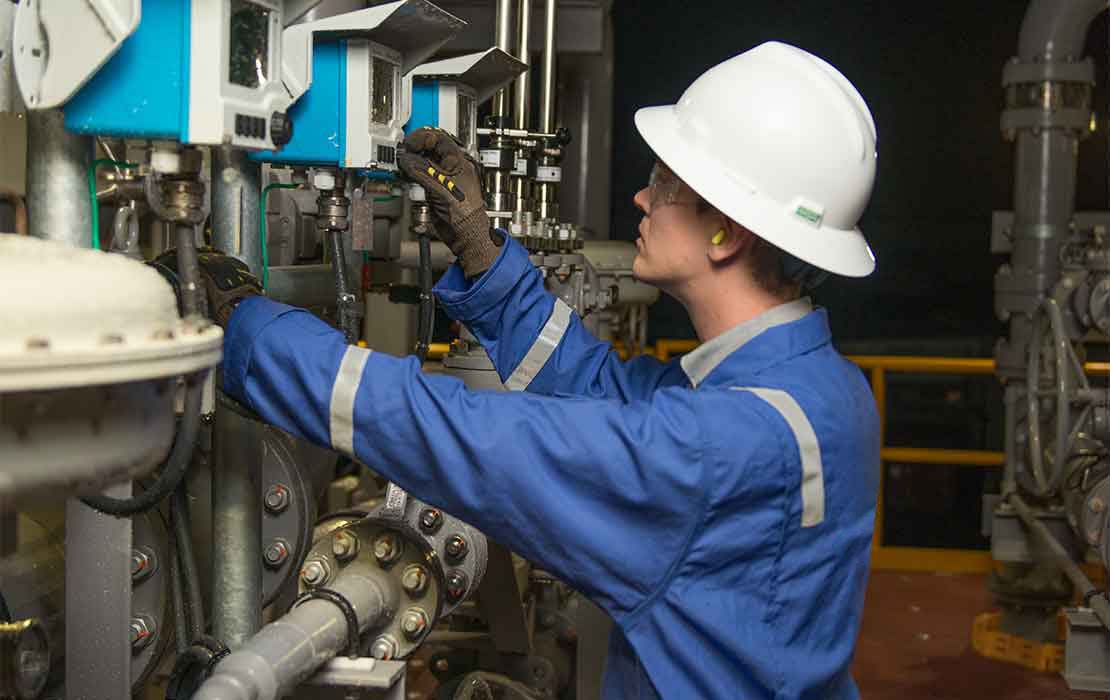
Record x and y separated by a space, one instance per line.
262 226
92 194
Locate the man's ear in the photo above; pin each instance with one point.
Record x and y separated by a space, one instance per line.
728 241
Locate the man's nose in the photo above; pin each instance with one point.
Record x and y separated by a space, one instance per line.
642 201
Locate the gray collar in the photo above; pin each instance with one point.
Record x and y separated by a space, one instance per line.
704 359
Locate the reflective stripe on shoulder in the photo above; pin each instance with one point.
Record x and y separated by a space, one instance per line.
546 342
343 391
813 478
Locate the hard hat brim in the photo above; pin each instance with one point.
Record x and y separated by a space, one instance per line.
840 251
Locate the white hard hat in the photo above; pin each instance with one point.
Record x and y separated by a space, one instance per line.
780 142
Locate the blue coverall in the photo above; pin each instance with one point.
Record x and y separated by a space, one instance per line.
719 507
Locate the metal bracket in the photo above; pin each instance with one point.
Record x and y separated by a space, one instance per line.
364 674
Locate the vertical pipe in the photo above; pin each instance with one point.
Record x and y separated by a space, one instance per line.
58 206
97 601
547 93
522 91
878 388
504 21
236 189
236 527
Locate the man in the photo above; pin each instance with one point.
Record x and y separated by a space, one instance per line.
720 507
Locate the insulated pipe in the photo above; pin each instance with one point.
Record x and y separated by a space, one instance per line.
547 93
236 190
236 526
504 22
290 649
522 90
58 206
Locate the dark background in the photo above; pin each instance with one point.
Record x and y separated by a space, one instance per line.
931 73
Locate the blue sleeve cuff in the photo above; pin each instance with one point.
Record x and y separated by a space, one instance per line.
250 318
466 300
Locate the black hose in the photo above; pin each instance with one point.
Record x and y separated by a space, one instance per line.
182 529
181 638
188 271
173 469
425 328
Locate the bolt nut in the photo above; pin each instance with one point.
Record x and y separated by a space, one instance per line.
315 572
414 580
276 553
143 564
457 584
414 623
384 648
387 548
431 520
277 499
323 180
141 632
344 545
456 548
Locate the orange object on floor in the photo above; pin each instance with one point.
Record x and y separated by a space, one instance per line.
988 640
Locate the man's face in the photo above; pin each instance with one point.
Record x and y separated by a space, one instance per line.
673 233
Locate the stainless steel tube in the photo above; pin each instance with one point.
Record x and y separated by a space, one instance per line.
236 190
504 38
58 206
522 91
236 526
290 649
547 92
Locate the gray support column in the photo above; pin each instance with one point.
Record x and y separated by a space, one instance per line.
523 91
504 37
547 93
236 188
236 527
98 602
58 206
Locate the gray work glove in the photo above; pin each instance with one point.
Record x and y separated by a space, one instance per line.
452 180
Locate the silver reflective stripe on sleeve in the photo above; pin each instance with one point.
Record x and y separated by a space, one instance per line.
541 350
343 399
813 478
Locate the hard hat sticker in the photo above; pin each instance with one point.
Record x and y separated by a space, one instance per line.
809 215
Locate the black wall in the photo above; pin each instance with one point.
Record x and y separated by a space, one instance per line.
931 73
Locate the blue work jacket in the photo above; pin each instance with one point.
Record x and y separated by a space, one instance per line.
718 507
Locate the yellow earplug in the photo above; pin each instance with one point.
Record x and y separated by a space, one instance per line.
718 238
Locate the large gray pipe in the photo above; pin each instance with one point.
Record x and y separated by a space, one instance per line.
58 206
290 649
236 526
504 37
236 188
547 93
522 90
1056 30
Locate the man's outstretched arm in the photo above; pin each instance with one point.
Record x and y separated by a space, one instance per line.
573 484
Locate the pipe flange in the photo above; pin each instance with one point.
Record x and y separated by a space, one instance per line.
1014 120
1016 72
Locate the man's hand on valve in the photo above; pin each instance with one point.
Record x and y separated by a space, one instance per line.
227 280
452 180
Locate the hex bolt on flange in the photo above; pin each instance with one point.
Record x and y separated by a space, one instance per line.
456 548
276 553
431 520
457 584
143 564
141 632
384 648
414 622
344 545
277 499
387 548
414 580
315 573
